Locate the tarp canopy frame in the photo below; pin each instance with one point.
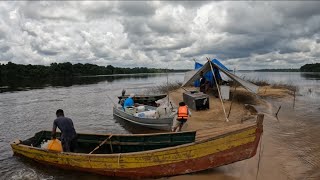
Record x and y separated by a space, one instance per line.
195 75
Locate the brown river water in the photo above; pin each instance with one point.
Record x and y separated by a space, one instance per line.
290 146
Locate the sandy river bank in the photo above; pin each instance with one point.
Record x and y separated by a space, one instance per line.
276 157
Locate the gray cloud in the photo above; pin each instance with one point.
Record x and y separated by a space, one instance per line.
4 49
136 8
155 34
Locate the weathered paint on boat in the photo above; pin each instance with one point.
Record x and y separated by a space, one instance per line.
235 143
164 123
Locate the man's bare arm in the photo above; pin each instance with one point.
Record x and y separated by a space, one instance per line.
53 133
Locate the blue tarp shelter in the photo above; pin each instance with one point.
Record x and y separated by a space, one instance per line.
192 76
208 75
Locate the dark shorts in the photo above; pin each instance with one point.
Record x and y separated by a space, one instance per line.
182 121
69 145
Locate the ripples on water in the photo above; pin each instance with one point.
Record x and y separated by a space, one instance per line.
297 129
25 112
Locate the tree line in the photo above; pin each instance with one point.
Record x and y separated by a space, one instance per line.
310 67
65 70
305 68
278 70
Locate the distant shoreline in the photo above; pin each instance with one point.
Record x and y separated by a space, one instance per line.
271 70
136 74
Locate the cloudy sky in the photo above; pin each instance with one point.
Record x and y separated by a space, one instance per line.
243 35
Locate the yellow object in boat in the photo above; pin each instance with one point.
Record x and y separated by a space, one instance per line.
55 145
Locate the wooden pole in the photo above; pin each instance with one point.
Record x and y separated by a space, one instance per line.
278 111
184 88
215 79
168 86
294 97
111 149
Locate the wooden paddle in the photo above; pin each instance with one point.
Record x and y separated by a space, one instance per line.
102 143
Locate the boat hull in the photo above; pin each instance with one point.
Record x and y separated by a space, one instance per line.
219 150
160 124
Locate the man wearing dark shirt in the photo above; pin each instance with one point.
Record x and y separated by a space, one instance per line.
68 133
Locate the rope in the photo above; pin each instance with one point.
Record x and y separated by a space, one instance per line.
119 160
114 104
38 140
233 96
260 153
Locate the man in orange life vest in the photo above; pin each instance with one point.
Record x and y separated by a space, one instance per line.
183 114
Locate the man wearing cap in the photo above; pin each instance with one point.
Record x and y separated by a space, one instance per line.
162 109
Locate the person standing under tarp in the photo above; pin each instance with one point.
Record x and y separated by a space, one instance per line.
202 83
68 133
217 75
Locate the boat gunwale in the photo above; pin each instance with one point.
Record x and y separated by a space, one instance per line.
151 134
142 96
221 135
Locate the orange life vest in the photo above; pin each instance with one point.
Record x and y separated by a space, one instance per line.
183 112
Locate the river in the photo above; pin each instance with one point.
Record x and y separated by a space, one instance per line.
25 112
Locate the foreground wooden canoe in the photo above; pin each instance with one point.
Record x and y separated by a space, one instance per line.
210 149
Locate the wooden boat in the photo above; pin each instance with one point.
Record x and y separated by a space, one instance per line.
162 123
144 99
155 155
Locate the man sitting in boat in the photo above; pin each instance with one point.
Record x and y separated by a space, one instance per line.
182 116
68 133
128 103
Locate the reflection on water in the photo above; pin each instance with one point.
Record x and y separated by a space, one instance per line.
311 75
296 130
27 84
85 100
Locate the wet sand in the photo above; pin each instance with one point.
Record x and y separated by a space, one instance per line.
214 117
276 157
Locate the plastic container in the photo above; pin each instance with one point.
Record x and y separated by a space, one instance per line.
55 145
225 92
141 108
130 110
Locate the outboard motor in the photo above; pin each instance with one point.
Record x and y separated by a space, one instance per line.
121 100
